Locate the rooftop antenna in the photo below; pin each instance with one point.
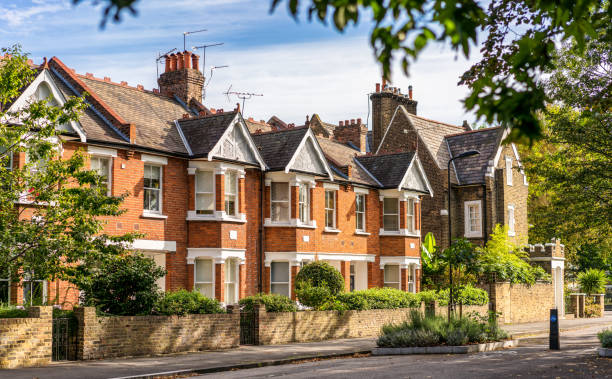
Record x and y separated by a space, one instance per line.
241 95
203 48
185 34
159 58
212 69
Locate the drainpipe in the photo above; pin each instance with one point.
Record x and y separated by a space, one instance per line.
484 213
262 187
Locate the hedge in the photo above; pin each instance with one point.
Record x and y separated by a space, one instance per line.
273 303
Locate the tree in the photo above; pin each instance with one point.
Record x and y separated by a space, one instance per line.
570 169
520 40
592 281
51 209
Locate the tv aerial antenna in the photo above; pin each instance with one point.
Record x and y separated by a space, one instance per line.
241 95
159 58
212 70
185 34
203 48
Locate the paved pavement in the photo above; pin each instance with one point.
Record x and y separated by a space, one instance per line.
577 359
245 356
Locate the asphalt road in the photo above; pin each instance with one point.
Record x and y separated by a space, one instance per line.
577 359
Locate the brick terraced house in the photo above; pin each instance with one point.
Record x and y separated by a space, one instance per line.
232 207
486 189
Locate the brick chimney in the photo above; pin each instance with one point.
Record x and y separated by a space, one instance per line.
384 102
182 77
354 132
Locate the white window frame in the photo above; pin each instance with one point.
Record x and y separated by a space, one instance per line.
226 194
360 215
44 288
288 283
8 167
304 204
195 275
399 277
160 189
212 173
236 284
511 221
334 209
469 233
509 171
391 214
109 174
410 278
288 201
410 217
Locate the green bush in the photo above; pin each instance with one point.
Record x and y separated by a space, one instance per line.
428 296
10 311
124 285
317 283
183 302
592 281
433 330
605 337
466 295
273 303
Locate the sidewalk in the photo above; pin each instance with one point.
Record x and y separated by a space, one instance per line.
245 356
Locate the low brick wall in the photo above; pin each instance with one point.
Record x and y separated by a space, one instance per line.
520 303
122 336
26 342
282 328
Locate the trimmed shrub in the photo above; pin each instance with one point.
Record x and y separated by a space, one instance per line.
592 281
605 337
347 301
467 295
10 311
273 303
388 298
183 302
317 283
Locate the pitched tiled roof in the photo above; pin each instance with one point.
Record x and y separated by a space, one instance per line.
471 170
258 126
388 169
277 148
151 113
343 155
203 133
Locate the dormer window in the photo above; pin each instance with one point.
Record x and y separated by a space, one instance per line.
205 192
279 199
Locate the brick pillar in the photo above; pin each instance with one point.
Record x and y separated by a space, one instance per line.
88 342
190 278
219 192
371 268
294 200
417 279
404 278
311 194
417 215
266 279
220 281
266 205
260 323
241 195
402 214
242 280
294 271
345 270
191 192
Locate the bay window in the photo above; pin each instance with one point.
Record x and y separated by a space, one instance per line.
231 281
102 166
330 209
360 212
390 214
392 276
279 201
304 203
231 190
204 277
410 226
152 188
279 278
205 192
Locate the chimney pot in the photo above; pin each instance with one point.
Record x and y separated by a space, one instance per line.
352 121
140 87
341 123
237 107
410 92
89 75
358 121
213 110
173 62
195 61
186 59
155 90
185 115
377 87
167 64
124 83
180 61
107 79
346 122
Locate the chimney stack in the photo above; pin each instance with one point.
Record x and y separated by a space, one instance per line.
377 87
182 77
410 92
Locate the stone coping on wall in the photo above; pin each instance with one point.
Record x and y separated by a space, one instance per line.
26 342
464 349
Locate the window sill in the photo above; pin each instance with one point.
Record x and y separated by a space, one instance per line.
399 233
473 236
294 223
331 230
362 233
219 216
154 215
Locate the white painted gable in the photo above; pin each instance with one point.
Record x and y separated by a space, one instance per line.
236 145
43 87
309 157
415 178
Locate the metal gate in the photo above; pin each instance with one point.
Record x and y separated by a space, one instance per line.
64 337
248 327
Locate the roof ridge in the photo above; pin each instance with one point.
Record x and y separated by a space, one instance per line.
282 130
472 131
437 122
384 154
202 116
137 88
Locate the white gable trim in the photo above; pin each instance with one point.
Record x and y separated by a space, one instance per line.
44 76
309 135
416 159
245 131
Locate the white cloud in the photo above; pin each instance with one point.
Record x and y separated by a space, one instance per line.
15 16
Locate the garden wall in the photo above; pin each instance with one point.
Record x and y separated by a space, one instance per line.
288 327
26 342
121 336
519 303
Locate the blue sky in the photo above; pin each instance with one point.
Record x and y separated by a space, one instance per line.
301 68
